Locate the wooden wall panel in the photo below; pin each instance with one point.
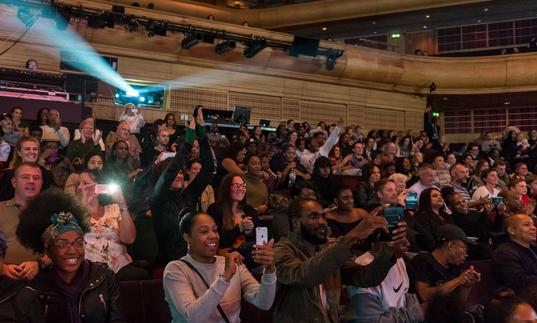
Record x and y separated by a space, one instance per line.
314 112
384 119
355 115
184 100
290 109
413 120
263 106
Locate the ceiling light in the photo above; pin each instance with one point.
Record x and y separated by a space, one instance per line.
486 9
425 27
428 16
507 103
478 20
324 28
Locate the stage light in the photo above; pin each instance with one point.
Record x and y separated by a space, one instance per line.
150 28
142 99
153 28
254 46
191 39
225 46
131 24
132 93
331 56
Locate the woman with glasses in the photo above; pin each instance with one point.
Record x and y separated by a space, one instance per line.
236 220
111 226
73 289
204 287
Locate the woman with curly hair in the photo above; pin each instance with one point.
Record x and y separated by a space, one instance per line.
73 289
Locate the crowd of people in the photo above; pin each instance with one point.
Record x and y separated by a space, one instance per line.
384 220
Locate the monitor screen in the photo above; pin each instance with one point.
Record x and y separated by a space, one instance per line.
242 115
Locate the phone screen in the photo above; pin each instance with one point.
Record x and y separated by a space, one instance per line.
393 215
412 201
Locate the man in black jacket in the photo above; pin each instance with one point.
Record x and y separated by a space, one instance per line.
432 128
515 261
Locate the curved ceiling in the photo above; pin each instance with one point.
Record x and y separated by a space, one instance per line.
295 14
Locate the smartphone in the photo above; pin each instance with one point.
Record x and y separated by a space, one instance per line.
393 215
105 188
261 235
412 201
497 200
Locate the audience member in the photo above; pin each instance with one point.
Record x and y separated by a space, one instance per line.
204 287
54 130
257 192
133 117
123 133
427 177
17 304
87 143
72 288
345 216
365 194
505 307
111 226
20 262
515 261
438 274
310 272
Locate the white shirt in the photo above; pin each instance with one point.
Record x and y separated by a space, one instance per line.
483 192
50 134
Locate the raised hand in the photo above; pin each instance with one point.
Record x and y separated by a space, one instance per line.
264 255
368 225
233 259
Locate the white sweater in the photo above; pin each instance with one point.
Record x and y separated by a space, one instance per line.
190 301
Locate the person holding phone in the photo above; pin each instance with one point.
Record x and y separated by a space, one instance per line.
235 218
111 226
205 287
134 117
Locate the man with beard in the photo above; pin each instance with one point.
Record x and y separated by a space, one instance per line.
310 272
515 261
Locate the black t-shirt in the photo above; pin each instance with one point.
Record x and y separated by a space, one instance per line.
424 268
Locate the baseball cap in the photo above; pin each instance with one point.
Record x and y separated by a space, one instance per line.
450 232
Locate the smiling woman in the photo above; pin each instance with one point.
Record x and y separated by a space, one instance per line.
54 223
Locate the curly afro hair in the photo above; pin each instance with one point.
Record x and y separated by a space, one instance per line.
35 219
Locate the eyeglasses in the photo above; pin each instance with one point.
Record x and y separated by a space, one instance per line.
238 186
64 245
464 247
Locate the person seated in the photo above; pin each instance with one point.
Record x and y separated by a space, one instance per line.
88 142
17 304
257 194
54 130
193 168
123 133
150 152
111 226
365 194
438 274
73 288
515 261
310 271
133 117
287 167
97 134
92 161
205 287
235 218
429 216
505 307
489 189
427 176
20 263
388 302
345 217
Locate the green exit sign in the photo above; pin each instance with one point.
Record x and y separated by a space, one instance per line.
436 114
396 35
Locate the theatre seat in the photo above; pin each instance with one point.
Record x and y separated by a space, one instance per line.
143 302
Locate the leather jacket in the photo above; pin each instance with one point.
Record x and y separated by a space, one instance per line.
99 301
18 304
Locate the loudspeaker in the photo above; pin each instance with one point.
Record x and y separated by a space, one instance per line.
304 46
